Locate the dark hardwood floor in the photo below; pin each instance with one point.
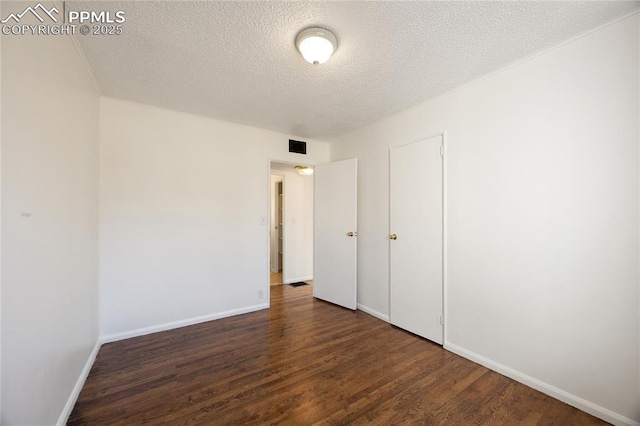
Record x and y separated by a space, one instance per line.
302 362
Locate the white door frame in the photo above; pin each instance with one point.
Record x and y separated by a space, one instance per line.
284 229
445 233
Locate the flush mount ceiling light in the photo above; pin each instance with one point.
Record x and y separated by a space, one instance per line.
316 45
304 170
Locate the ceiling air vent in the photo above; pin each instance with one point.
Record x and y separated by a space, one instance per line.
298 147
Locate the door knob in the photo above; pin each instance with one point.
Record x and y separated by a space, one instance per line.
393 236
352 234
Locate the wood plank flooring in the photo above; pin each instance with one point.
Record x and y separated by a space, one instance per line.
276 278
302 362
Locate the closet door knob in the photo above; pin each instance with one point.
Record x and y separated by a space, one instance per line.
393 236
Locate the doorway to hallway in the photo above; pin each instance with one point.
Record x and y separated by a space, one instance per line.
291 225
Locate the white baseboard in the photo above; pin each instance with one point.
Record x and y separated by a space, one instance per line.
373 313
66 412
295 280
543 387
182 323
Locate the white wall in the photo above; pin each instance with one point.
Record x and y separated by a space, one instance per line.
542 218
49 225
182 241
298 224
0 227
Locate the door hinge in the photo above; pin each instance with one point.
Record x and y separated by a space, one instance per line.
441 150
440 320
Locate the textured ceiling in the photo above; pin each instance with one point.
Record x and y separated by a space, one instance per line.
237 61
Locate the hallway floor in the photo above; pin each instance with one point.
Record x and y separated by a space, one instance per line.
276 278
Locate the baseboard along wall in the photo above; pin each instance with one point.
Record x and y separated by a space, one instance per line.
552 391
71 401
373 312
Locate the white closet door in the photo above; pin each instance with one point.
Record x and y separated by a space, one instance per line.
416 238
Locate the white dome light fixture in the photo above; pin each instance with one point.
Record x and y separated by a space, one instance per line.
304 170
316 45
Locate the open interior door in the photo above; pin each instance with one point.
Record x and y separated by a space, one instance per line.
335 232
